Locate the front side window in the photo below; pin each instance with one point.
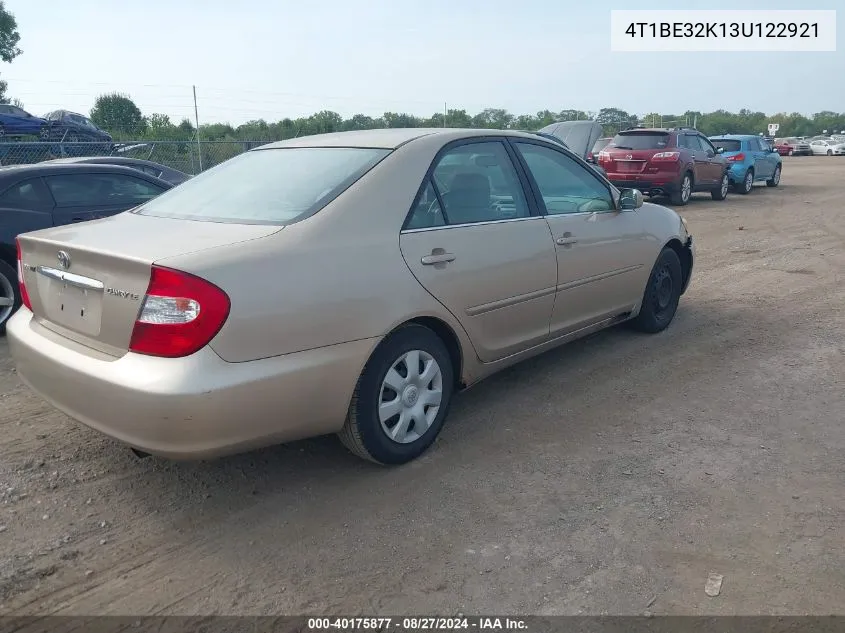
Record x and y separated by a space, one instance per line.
100 190
267 186
565 185
477 182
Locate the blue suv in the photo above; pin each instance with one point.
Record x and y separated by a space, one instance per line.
750 159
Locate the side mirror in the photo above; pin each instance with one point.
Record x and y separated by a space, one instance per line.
720 150
630 199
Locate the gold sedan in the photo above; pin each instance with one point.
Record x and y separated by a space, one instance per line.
346 283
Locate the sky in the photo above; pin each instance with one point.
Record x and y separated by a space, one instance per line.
273 59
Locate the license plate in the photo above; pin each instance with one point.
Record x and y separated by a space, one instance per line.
77 308
630 167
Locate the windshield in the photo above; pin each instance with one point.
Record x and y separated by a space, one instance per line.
267 186
640 140
727 145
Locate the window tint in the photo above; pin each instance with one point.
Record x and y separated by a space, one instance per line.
705 143
29 194
728 145
267 186
565 185
478 183
100 189
426 212
641 140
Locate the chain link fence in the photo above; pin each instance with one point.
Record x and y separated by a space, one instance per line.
189 157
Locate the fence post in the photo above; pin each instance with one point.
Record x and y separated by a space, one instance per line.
197 119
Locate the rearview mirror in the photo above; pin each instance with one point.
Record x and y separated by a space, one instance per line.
630 199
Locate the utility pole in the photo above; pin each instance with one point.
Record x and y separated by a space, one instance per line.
445 114
197 119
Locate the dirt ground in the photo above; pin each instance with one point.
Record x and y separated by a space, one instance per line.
609 476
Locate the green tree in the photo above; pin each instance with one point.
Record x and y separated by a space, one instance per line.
9 38
614 119
118 114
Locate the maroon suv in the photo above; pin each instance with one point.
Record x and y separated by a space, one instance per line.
666 162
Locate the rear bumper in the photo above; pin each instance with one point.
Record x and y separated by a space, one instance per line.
194 407
648 184
736 172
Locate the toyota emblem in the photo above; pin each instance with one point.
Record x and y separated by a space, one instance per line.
64 260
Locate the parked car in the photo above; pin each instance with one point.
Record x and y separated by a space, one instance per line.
598 146
173 176
827 147
343 283
672 162
15 121
72 128
792 147
43 195
578 136
751 159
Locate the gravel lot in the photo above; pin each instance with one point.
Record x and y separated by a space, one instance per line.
609 476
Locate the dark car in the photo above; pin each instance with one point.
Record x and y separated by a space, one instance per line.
598 146
73 127
674 162
173 176
15 121
34 197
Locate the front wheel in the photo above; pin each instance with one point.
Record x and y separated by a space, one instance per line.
662 294
721 192
774 181
402 398
830 152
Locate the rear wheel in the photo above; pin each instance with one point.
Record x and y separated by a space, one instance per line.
401 399
830 152
10 298
789 153
721 192
662 294
682 195
774 181
745 185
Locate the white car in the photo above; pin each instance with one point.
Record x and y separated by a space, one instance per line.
827 147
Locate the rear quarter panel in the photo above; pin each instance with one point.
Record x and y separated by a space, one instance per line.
337 276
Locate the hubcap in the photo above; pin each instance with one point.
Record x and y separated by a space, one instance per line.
7 298
749 181
662 289
724 185
410 396
686 189
777 175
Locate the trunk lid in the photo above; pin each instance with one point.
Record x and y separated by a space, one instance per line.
87 281
578 136
625 161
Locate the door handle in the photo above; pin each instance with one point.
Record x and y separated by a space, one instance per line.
437 258
566 240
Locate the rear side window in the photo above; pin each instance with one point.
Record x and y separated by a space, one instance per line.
100 189
267 186
727 145
29 194
641 140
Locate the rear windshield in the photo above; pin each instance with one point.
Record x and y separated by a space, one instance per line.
641 140
726 145
267 186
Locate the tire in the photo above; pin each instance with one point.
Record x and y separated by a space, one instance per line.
774 181
789 153
684 192
364 433
830 152
721 192
747 184
662 294
9 292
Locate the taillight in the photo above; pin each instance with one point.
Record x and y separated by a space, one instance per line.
180 315
666 156
21 283
735 158
590 157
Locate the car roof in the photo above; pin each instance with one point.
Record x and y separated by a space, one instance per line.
48 168
107 160
387 138
735 137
